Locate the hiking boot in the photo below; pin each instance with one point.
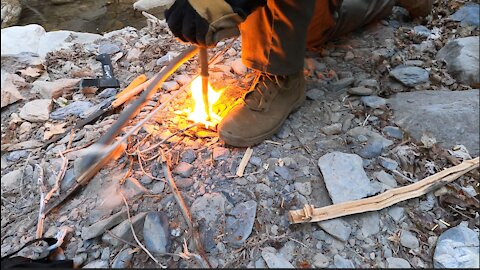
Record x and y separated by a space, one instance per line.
262 111
417 8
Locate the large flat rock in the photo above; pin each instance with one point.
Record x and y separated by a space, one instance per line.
18 39
452 117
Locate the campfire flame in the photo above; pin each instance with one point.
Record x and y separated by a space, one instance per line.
199 115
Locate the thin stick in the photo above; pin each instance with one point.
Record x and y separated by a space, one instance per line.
60 176
388 198
244 162
41 210
135 235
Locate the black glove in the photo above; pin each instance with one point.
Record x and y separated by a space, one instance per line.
205 22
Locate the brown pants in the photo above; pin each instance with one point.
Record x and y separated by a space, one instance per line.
275 37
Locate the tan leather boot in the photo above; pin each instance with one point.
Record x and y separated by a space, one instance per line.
417 8
263 109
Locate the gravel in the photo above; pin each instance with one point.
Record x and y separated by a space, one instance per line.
409 240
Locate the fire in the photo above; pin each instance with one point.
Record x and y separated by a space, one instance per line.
199 115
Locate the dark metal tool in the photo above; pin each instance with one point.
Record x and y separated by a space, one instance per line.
108 79
203 55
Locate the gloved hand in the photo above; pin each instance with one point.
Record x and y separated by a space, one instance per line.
206 22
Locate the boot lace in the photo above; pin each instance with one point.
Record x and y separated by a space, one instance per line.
261 91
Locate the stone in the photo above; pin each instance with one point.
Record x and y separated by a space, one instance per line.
468 15
409 240
132 188
108 48
63 39
315 94
332 129
99 227
36 110
12 179
410 76
394 132
239 222
344 176
457 247
386 178
341 84
388 163
283 132
123 230
370 224
184 183
360 91
462 57
144 5
184 169
369 84
166 58
133 54
21 39
397 263
238 67
304 188
79 259
341 262
10 84
158 187
284 172
188 156
107 92
156 232
123 259
446 115
75 109
275 260
374 102
320 261
337 228
363 134
256 161
96 264
54 89
209 211
170 86
11 10
421 30
220 153
349 56
372 149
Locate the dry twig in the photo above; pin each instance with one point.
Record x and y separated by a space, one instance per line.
41 210
244 162
60 176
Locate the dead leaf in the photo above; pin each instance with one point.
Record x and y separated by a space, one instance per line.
53 129
33 72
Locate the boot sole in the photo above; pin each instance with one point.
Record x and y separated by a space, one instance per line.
246 142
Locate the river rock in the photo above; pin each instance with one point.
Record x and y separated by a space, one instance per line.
75 108
409 76
36 110
360 91
123 230
409 240
394 132
54 89
240 222
421 30
462 58
20 39
446 115
99 227
344 176
457 247
275 260
11 10
123 259
374 102
337 228
209 211
467 15
397 263
156 232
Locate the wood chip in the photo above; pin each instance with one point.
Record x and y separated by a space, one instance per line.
244 162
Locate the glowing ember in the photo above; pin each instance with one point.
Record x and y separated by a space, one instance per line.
199 115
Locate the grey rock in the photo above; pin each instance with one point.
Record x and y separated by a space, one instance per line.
341 262
288 250
12 179
209 211
36 110
133 54
394 132
370 224
468 15
184 169
123 230
133 188
388 163
158 187
156 232
240 222
21 39
372 149
363 134
17 155
75 108
374 102
396 263
170 85
462 57
457 247
98 228
421 30
320 260
123 259
397 213
332 129
387 179
275 260
369 83
360 91
97 264
284 172
107 92
409 240
337 228
238 67
344 176
304 188
341 84
220 153
54 89
256 161
410 76
189 156
283 132
105 254
108 48
446 115
315 94
184 182
79 259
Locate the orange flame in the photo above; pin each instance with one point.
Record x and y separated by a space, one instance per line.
199 115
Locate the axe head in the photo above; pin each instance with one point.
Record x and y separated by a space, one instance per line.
100 83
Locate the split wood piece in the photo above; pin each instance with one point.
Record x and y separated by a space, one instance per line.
388 198
244 162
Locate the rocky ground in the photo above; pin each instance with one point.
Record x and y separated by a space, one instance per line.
387 106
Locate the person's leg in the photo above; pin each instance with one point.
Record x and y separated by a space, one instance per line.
274 37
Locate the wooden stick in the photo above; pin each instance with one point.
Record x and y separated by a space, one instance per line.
244 162
388 198
41 210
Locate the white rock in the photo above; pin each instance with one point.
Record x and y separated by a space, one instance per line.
320 261
133 54
10 179
397 263
11 10
238 67
56 40
53 89
457 247
275 260
19 39
36 110
144 5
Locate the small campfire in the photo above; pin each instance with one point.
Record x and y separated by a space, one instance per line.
199 115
